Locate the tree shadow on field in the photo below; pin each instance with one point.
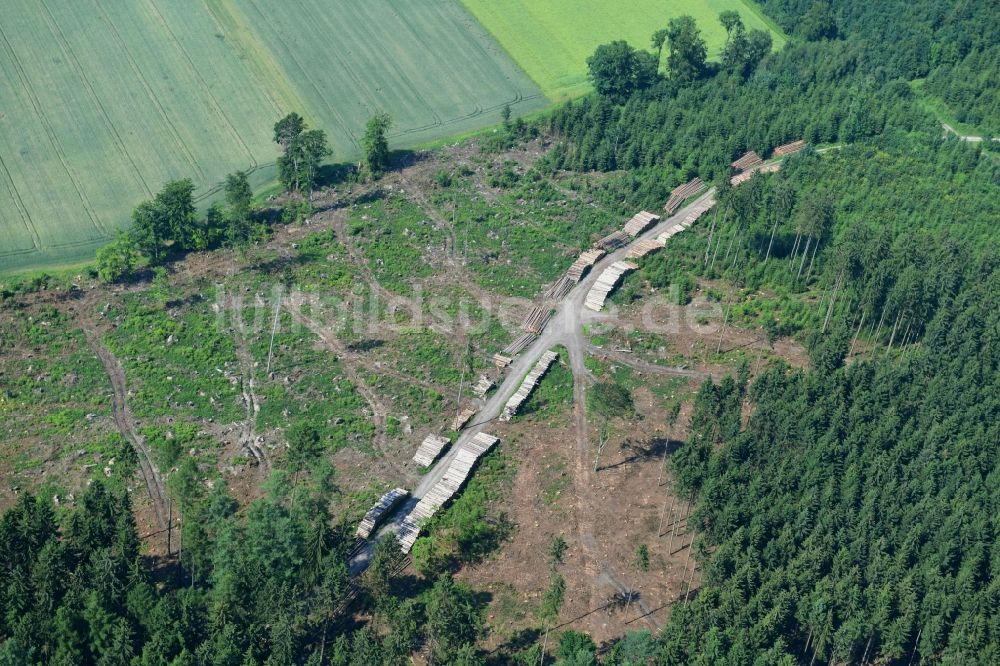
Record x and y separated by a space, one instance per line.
522 639
334 174
403 158
636 452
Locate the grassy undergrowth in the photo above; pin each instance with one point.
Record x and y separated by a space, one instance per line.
397 241
308 386
524 237
554 392
53 390
473 526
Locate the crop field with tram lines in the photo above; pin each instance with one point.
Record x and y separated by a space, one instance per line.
101 103
552 39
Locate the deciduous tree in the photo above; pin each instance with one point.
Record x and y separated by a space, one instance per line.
687 54
617 70
375 145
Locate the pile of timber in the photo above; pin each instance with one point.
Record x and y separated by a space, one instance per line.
515 347
501 361
559 288
463 418
430 449
741 178
382 507
697 211
607 281
789 148
528 385
454 477
613 241
748 161
583 264
484 385
536 320
683 192
644 247
672 231
639 223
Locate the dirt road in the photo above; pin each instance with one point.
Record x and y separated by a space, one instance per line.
126 423
565 327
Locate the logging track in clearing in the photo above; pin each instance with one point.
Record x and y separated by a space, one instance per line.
125 422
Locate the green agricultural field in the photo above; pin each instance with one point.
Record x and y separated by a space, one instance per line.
105 101
552 39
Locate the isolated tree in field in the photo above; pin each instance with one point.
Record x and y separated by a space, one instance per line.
298 168
239 199
557 551
288 129
617 70
176 201
303 151
687 54
375 144
730 20
304 445
117 259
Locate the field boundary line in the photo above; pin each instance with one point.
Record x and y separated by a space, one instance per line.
469 20
22 210
243 51
71 55
364 94
291 55
496 40
50 132
201 81
438 121
769 22
149 91
473 21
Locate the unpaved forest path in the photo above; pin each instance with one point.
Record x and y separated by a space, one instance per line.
124 420
379 410
565 327
971 138
646 366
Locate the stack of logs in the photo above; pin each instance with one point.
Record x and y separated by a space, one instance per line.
606 282
750 160
639 223
789 148
644 247
452 481
683 192
583 264
430 449
382 507
528 385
